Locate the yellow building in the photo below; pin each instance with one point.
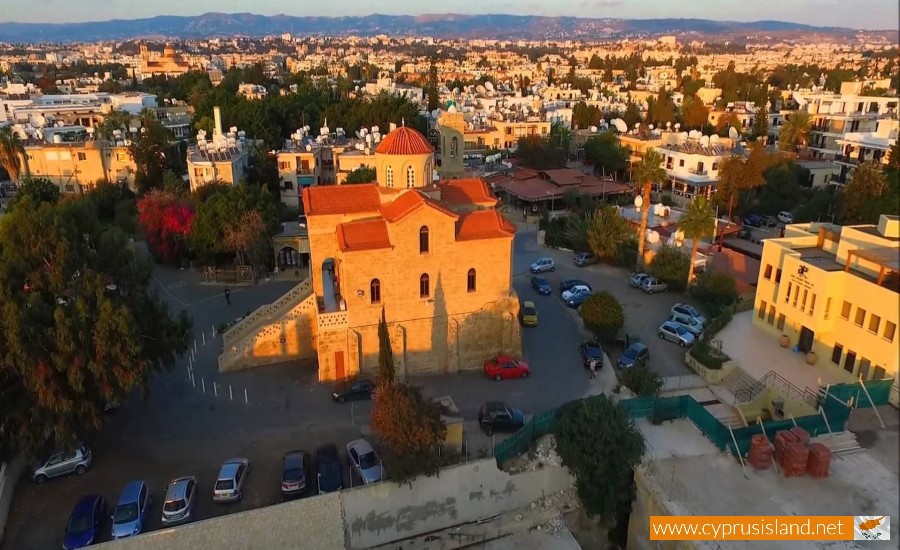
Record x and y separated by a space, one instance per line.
222 160
77 166
168 64
404 160
834 291
298 167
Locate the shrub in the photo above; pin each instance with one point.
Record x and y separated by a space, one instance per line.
667 200
641 380
555 236
715 291
703 351
671 265
627 254
603 315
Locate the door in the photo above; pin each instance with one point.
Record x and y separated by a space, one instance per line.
806 340
339 369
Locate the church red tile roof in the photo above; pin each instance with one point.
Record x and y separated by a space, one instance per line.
341 199
409 202
483 224
465 191
404 141
371 234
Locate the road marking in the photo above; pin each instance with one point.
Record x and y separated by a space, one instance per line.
169 292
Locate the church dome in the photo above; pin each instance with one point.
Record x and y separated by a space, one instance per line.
404 141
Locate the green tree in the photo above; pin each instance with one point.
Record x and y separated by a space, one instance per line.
363 174
410 430
761 121
715 290
632 115
431 90
670 265
148 149
697 223
603 315
560 135
640 380
250 241
694 113
606 230
601 446
115 120
738 175
79 327
12 151
661 109
794 132
40 190
726 121
647 172
862 197
605 153
385 353
894 156
218 213
585 116
537 152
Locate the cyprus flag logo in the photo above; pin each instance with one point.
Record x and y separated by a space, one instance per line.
871 528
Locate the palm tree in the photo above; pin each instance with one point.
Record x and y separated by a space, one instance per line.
794 133
10 149
648 171
696 223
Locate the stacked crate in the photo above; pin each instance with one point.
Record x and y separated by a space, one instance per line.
782 439
794 459
760 452
801 435
819 461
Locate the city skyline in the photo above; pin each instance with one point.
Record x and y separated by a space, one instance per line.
863 14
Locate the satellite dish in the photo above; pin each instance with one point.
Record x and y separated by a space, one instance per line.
638 201
480 89
677 126
733 133
704 141
489 85
637 125
714 139
593 129
668 124
683 136
650 127
620 125
308 147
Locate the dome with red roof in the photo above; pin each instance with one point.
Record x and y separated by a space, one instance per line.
404 141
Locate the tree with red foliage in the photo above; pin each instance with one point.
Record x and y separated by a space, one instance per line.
167 222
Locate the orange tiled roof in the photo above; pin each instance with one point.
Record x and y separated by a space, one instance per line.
363 235
483 224
404 141
466 191
341 199
409 202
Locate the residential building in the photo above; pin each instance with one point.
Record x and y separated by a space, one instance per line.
78 165
692 165
222 160
299 166
252 91
413 93
835 291
858 147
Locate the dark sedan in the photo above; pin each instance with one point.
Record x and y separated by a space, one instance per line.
541 285
351 391
85 522
575 301
566 284
591 353
634 356
328 469
294 473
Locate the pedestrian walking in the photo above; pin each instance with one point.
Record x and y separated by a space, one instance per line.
524 215
593 370
228 296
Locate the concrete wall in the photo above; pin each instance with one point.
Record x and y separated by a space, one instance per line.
649 501
385 512
10 472
310 523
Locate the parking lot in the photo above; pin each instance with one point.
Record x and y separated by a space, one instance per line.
180 430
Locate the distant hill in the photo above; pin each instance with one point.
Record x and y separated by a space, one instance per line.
438 25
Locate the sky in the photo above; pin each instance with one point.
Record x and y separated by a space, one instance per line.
862 14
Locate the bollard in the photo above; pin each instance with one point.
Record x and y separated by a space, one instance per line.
245 397
215 389
192 354
193 383
195 345
189 371
214 331
204 338
230 396
203 384
191 361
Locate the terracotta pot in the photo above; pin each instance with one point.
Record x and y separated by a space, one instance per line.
811 358
784 341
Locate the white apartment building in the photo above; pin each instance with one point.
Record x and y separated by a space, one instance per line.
692 165
858 147
223 159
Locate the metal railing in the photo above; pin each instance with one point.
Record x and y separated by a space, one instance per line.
774 381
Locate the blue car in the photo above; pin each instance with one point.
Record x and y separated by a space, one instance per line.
541 285
84 523
576 301
132 510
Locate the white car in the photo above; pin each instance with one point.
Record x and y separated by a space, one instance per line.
229 485
693 326
365 461
689 311
576 290
785 217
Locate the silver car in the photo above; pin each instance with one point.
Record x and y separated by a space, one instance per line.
690 311
181 496
636 280
543 264
674 332
230 483
693 326
62 463
652 284
364 461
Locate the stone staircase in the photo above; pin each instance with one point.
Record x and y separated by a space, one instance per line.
273 333
743 386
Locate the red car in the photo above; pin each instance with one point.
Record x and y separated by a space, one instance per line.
504 366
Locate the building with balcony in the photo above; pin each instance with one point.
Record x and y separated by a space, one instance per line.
77 166
252 91
692 166
299 166
835 291
222 160
859 147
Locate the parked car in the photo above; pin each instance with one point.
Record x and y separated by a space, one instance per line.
353 390
692 325
529 314
294 473
328 470
770 221
676 333
585 258
230 482
636 279
634 355
745 233
503 366
591 353
543 264
785 217
753 220
541 285
496 416
575 291
575 301
690 311
132 510
181 497
62 463
567 284
651 285
85 522
364 461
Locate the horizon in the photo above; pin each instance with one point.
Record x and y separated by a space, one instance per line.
862 15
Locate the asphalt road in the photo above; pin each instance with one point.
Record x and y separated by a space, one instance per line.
182 430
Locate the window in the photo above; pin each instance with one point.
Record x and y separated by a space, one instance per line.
681 163
812 304
82 156
423 239
796 294
845 311
771 319
874 323
805 296
787 297
860 316
780 324
836 353
864 365
410 177
424 287
778 275
762 309
470 280
715 166
851 361
375 291
890 329
878 374
389 176
288 185
828 307
768 273
454 146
